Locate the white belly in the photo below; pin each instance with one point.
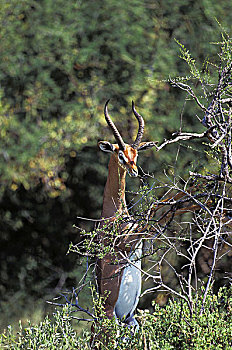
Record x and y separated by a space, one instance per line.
130 288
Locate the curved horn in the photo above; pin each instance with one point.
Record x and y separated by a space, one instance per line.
139 136
117 136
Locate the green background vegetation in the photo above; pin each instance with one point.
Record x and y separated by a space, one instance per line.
59 63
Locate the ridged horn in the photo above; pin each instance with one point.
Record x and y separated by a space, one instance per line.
139 136
117 136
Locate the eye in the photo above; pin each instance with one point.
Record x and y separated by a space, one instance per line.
122 157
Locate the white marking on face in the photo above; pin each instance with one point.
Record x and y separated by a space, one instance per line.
122 158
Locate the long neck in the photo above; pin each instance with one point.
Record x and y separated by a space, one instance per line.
114 193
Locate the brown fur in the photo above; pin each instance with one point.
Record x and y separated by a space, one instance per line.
109 274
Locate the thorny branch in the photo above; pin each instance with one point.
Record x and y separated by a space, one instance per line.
188 230
75 306
183 136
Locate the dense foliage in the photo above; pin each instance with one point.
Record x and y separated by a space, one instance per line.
170 327
59 62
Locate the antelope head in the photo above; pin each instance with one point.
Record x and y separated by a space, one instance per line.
126 154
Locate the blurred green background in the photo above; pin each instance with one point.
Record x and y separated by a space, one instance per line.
59 62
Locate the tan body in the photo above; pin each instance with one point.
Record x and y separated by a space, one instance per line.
120 283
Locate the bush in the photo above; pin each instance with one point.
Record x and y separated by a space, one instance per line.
169 327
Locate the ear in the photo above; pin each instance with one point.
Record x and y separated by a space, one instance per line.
106 146
143 146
